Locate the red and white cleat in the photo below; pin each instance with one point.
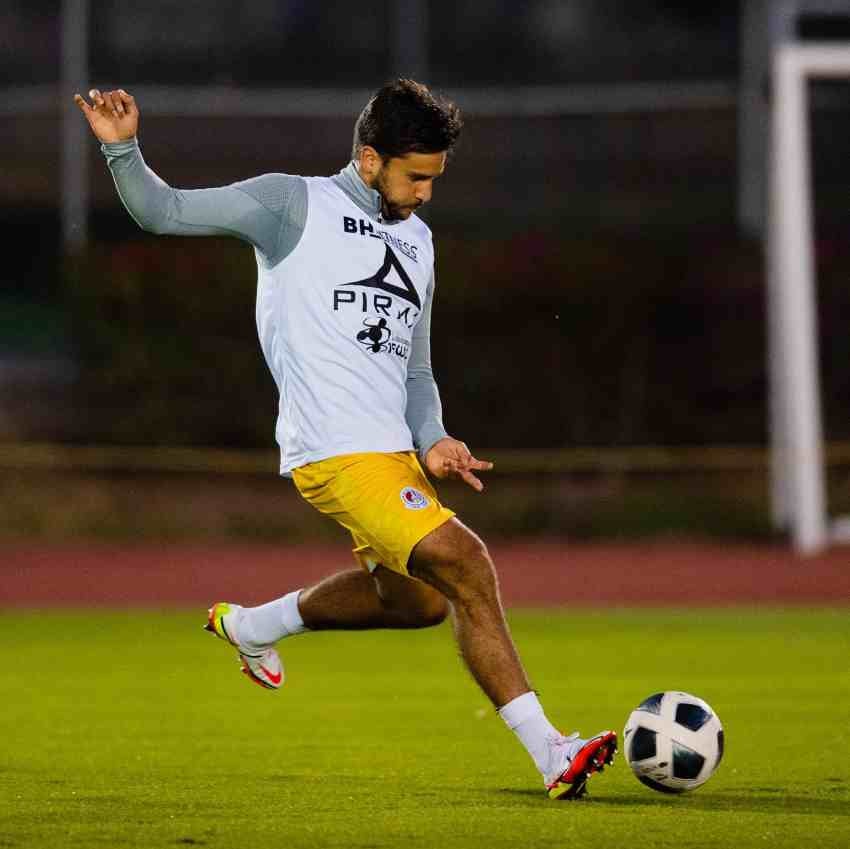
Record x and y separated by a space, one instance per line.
583 758
262 665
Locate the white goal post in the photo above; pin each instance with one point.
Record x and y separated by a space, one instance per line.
798 486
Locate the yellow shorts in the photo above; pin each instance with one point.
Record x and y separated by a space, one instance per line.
384 500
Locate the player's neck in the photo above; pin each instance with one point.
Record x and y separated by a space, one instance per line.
383 209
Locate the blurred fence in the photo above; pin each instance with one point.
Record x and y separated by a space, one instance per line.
61 493
643 459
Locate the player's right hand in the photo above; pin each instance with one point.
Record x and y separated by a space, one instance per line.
450 458
113 115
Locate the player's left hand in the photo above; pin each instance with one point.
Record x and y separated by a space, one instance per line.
450 458
113 115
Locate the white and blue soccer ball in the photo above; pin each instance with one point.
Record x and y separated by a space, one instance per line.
673 742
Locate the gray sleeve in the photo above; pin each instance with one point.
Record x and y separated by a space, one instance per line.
268 211
424 411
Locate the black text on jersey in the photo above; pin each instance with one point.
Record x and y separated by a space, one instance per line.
360 226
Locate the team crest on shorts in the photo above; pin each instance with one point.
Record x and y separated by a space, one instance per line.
413 499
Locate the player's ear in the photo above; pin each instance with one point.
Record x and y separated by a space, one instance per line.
369 162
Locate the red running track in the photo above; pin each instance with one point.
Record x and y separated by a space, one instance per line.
547 573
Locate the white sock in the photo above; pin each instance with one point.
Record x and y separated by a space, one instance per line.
524 716
265 625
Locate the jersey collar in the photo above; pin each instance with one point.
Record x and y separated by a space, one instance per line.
369 200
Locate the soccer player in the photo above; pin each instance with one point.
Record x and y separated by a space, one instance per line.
345 286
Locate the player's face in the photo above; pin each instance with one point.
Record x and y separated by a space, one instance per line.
406 182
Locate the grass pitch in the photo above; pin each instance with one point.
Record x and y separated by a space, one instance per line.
135 729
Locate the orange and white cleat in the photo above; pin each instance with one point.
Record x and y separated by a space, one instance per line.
582 759
262 664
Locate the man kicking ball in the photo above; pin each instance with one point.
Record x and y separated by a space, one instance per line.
345 286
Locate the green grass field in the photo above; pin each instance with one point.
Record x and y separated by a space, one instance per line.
135 729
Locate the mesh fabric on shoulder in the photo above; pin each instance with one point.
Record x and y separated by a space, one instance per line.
276 192
285 197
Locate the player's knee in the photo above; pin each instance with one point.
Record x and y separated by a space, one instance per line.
425 613
412 604
457 563
476 553
433 611
474 575
429 608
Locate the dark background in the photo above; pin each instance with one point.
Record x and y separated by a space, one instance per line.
594 288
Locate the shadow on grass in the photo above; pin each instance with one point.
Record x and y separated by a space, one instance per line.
713 802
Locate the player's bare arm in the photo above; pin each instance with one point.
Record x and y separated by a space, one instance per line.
112 115
450 458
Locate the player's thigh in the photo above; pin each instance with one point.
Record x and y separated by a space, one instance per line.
402 593
384 500
452 558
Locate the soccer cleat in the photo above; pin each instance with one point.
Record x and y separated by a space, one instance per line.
261 665
586 757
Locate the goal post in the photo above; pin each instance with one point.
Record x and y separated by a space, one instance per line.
798 485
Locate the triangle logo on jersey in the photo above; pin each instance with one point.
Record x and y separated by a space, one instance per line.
379 280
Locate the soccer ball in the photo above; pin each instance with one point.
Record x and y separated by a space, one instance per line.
673 742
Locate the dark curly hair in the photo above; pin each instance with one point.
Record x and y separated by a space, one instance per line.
405 117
